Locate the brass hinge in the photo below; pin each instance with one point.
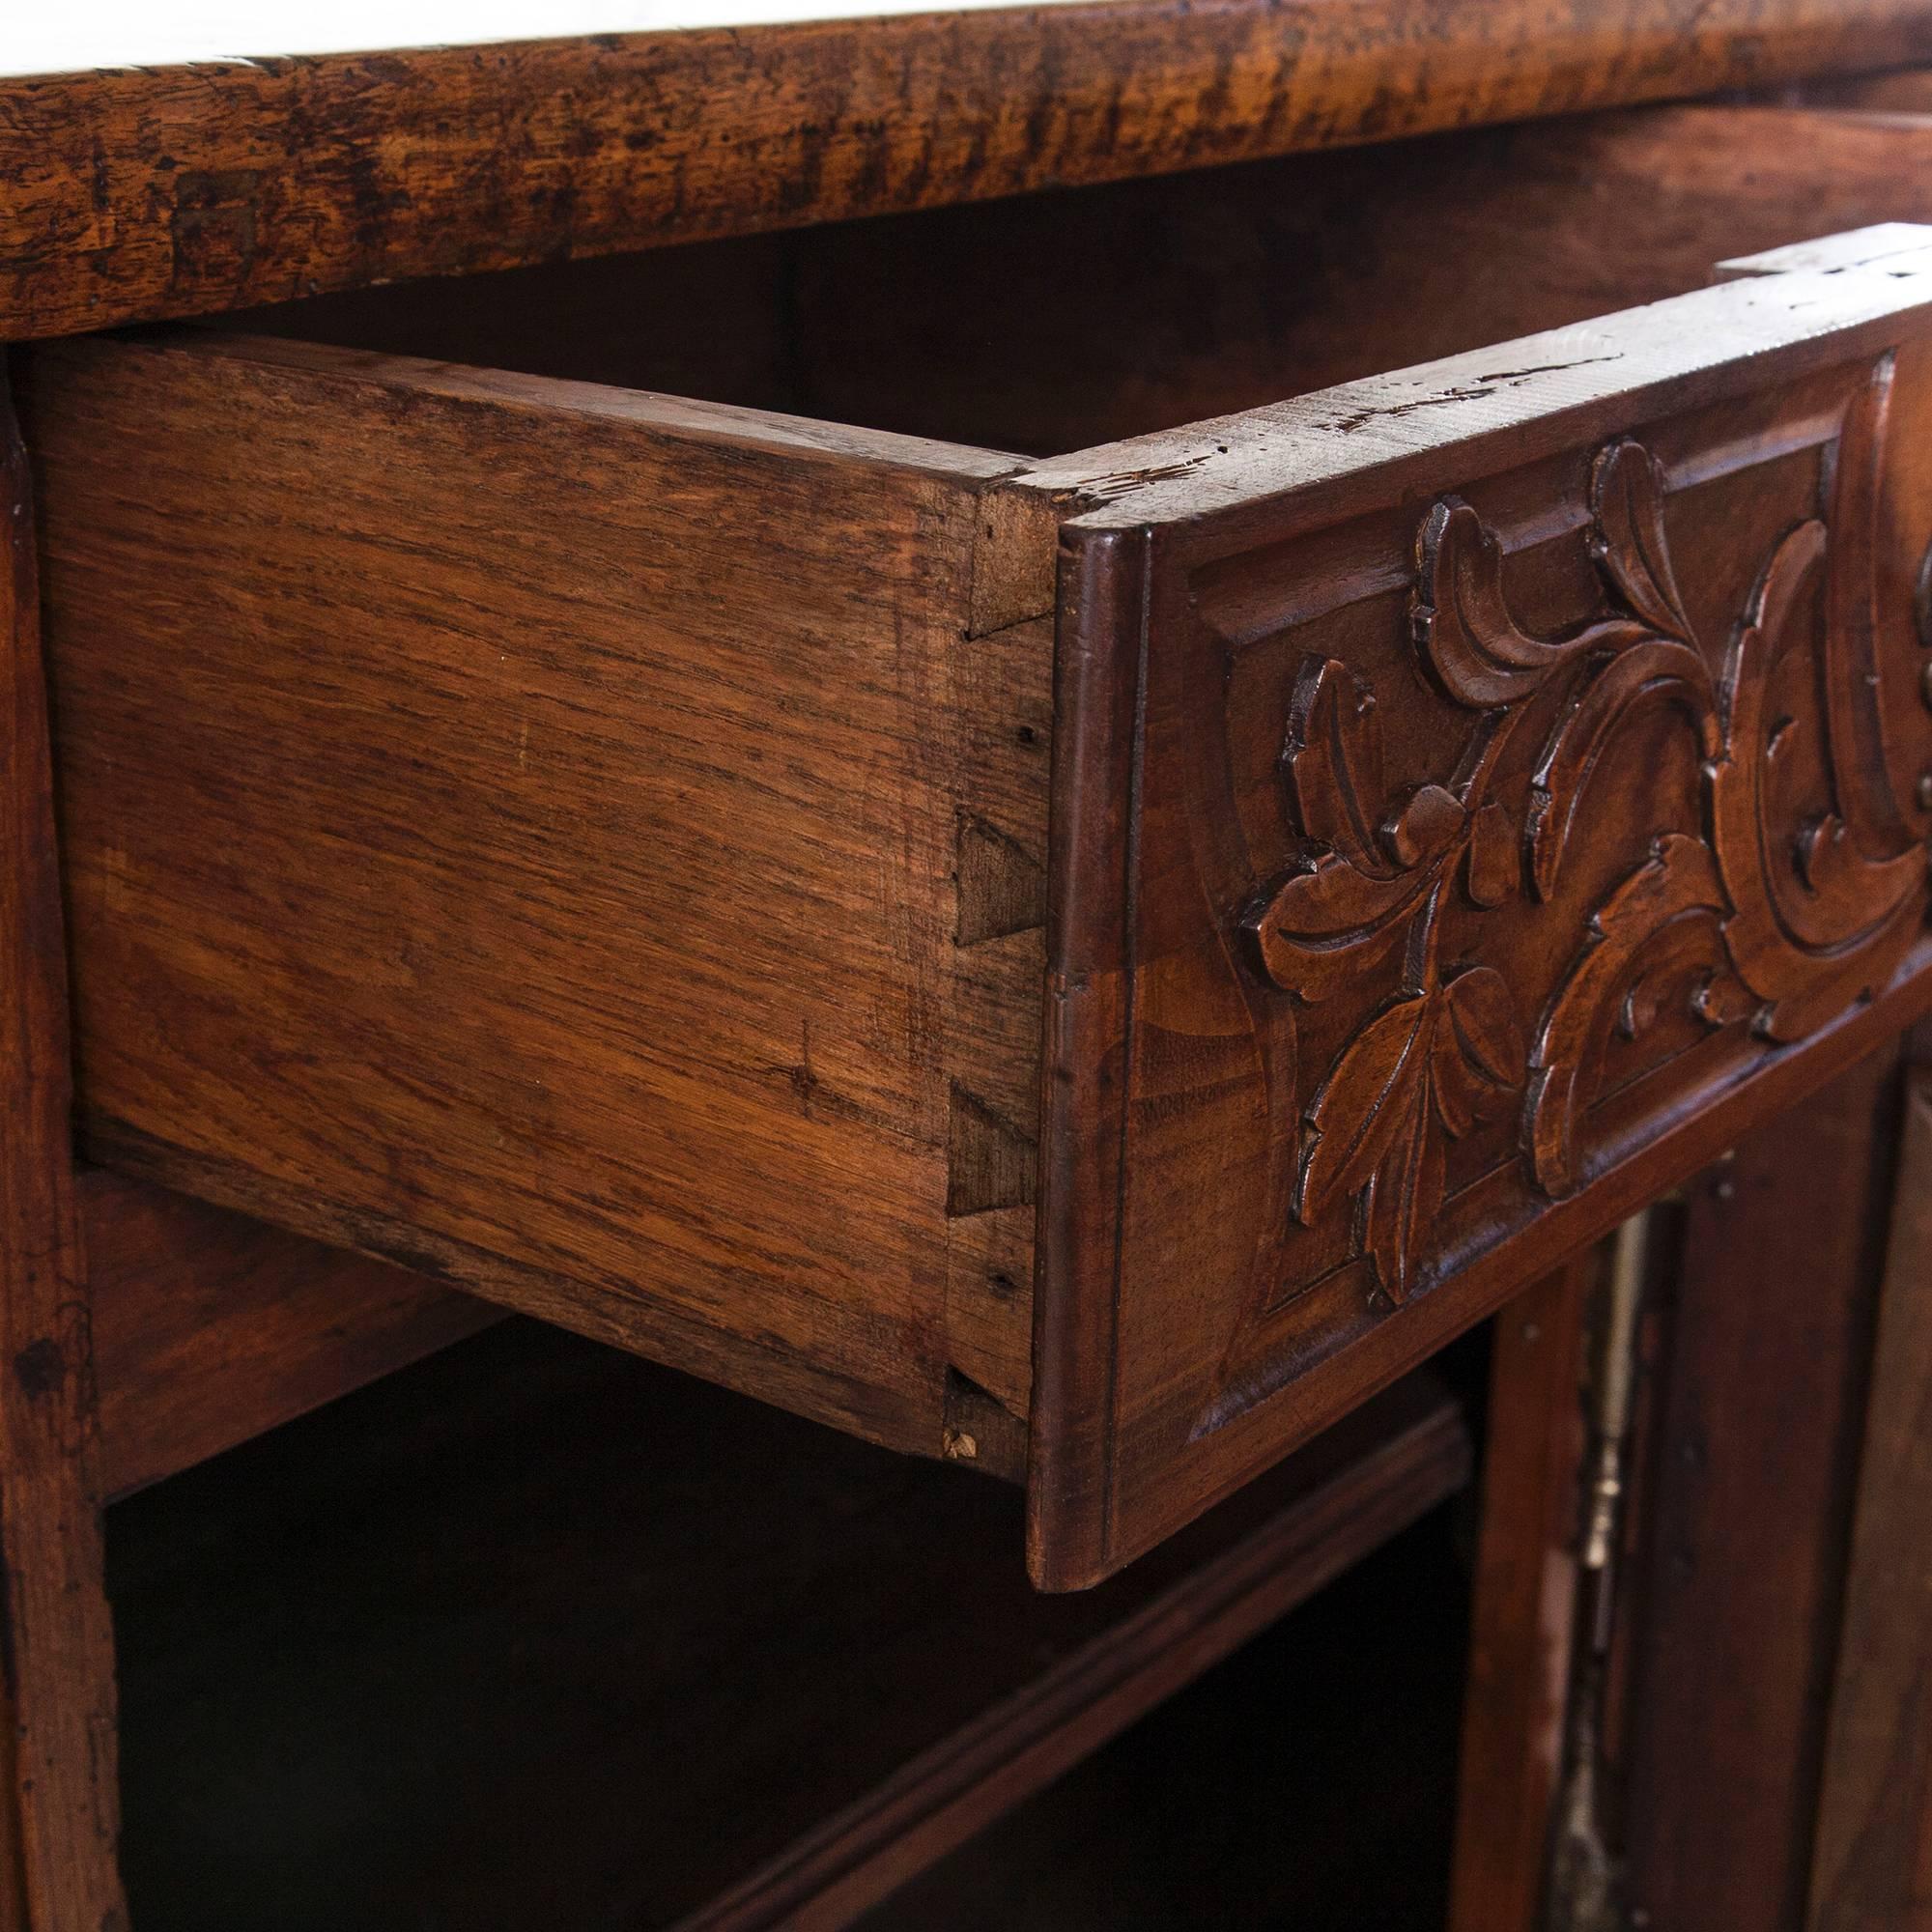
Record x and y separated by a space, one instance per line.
1585 1877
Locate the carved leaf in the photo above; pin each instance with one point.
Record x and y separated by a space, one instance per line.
1339 910
1324 925
1840 875
1332 899
1378 1080
1334 759
1647 671
1860 726
1463 625
1809 939
1743 923
1683 961
1627 536
1424 828
1721 999
1494 871
1403 1199
1480 1056
1679 879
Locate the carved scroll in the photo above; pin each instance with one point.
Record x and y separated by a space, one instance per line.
1733 922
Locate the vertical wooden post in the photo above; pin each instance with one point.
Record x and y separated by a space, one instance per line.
1524 1613
61 1802
1734 1635
1872 1870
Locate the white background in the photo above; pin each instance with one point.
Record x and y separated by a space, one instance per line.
59 36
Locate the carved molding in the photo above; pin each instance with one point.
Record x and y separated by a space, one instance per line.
1737 923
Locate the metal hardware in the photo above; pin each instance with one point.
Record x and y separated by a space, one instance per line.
1585 1883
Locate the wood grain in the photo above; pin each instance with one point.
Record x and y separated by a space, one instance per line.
1871 1866
61 1814
1266 280
745 961
1517 1697
209 1328
1747 1524
1243 287
1391 921
556 888
147 193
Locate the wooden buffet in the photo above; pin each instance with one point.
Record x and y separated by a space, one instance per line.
1053 735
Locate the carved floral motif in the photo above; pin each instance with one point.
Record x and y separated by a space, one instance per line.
1735 922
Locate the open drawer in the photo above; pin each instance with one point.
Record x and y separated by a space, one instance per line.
1088 965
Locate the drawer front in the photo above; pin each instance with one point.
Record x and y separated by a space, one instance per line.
1477 791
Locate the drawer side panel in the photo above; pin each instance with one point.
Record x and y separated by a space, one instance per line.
509 827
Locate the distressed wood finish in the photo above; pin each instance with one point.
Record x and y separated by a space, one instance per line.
556 888
209 1328
1871 1866
1469 785
147 193
60 1813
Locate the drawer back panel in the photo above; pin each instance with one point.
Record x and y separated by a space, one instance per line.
1051 322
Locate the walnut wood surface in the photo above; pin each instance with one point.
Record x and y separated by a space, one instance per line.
792 935
558 884
1240 286
209 1328
1516 1701
60 1814
1871 1867
147 193
1271 280
1746 1523
1469 785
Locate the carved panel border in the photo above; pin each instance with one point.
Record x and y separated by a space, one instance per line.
1747 918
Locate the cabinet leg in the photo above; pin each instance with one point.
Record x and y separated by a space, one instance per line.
1524 1606
59 1818
1872 1867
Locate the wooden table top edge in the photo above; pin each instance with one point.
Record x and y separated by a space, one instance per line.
143 193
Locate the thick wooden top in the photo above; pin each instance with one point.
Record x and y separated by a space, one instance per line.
137 192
